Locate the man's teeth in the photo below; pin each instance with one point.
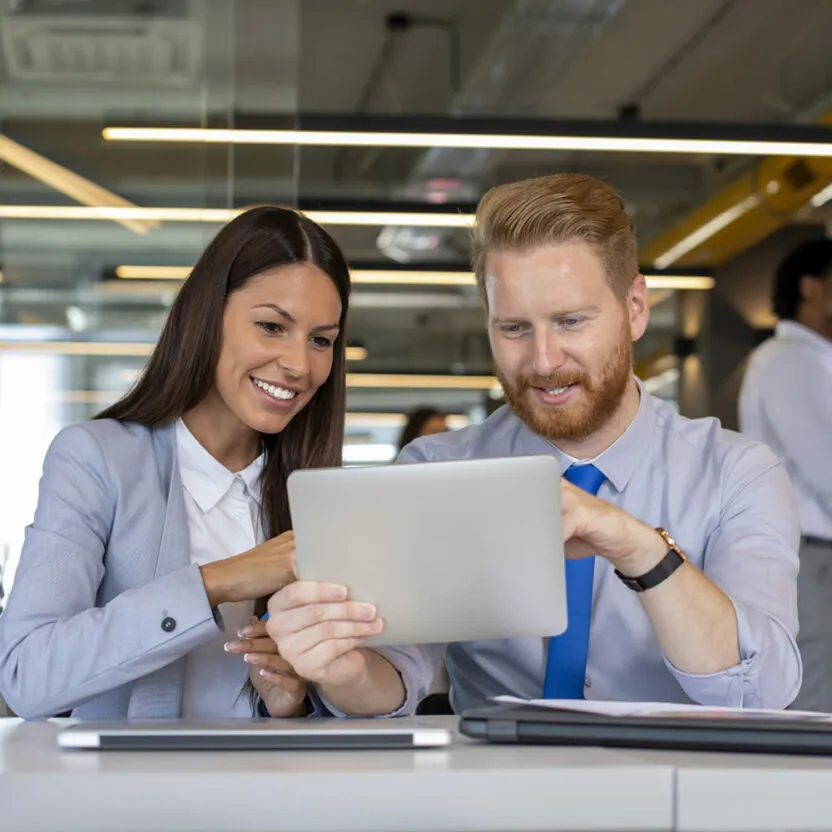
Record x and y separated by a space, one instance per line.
556 391
275 392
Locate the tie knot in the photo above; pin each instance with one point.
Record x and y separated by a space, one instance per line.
587 477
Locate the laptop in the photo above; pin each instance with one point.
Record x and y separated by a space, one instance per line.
682 729
253 735
447 551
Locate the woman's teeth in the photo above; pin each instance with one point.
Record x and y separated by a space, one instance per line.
275 392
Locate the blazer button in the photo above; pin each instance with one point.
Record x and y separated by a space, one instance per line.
169 624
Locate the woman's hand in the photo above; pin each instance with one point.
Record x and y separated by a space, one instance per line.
282 690
261 571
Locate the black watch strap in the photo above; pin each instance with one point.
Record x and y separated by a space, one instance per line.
674 558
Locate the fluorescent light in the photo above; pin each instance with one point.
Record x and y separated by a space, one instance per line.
705 232
153 272
222 215
67 182
678 281
111 348
423 382
470 141
822 197
369 452
393 277
77 347
397 420
356 353
412 278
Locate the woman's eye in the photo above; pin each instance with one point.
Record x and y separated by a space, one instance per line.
322 342
270 327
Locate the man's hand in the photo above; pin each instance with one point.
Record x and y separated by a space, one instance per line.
592 526
282 691
320 632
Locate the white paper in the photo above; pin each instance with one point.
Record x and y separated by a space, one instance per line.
656 708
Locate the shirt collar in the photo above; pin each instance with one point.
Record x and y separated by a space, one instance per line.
206 479
798 332
619 462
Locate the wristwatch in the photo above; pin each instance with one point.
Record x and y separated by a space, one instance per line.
674 558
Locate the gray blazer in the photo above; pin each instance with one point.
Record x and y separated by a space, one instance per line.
105 602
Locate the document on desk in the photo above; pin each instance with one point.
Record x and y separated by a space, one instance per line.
631 709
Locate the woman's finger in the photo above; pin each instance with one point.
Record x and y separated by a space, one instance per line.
273 663
251 645
290 684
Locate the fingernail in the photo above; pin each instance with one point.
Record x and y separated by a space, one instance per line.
368 611
232 646
246 632
376 625
268 675
252 658
340 593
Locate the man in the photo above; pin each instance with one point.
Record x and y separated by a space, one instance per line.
786 402
556 261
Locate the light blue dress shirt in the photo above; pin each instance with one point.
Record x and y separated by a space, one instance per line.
729 504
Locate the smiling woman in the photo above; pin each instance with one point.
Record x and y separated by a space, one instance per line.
165 520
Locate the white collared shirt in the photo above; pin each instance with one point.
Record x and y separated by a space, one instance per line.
223 512
786 402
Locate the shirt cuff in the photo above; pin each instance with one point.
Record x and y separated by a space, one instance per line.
410 664
745 685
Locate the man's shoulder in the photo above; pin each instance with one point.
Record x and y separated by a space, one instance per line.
496 436
705 443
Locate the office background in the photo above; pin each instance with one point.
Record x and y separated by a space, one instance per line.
98 225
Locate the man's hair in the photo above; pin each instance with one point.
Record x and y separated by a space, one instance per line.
812 259
552 210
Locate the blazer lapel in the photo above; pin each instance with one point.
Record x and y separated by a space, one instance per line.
159 695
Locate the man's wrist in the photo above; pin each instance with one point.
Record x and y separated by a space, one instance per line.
648 550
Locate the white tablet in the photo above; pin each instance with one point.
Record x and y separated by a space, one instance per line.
447 551
253 735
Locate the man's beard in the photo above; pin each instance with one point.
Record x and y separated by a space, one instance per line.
573 421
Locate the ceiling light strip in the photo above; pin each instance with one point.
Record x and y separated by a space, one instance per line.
223 215
112 348
395 277
473 141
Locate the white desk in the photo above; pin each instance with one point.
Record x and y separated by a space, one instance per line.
743 792
466 787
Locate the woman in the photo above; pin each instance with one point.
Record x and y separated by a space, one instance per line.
424 421
161 522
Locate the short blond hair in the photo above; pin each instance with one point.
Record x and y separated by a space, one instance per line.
552 210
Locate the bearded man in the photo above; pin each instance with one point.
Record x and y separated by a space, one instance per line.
681 537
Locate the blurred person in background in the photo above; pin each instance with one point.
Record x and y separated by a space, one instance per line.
425 421
165 520
786 402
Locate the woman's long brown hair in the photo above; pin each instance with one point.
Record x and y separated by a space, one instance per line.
181 370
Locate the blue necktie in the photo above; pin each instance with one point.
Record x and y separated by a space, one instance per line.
566 665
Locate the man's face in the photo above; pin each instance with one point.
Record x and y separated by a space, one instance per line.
561 338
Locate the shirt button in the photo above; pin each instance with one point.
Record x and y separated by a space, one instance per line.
587 682
168 624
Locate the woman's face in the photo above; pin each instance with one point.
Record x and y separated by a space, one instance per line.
278 334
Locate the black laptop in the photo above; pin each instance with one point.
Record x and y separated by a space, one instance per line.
782 732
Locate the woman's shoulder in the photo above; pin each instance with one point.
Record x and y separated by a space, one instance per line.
108 440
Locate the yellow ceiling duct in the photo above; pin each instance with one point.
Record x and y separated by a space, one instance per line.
742 213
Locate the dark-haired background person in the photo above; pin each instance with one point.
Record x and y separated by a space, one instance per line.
786 402
166 518
424 421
